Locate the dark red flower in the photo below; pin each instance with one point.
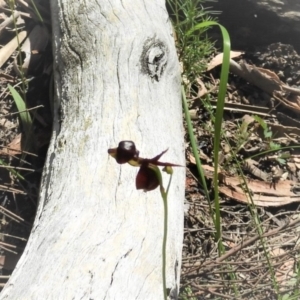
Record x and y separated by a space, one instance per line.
146 178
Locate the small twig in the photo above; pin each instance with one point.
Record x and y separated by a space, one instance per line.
15 237
16 168
25 110
10 214
7 245
12 190
8 250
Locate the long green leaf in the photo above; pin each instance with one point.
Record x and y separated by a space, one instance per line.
219 116
24 116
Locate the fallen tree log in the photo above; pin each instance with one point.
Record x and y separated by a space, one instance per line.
95 236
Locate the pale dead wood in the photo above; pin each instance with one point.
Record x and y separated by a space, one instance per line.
95 236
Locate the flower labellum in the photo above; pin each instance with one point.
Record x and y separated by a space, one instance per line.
146 179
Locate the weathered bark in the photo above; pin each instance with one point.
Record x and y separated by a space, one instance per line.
95 236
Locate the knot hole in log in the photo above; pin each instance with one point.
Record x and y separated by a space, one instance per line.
154 58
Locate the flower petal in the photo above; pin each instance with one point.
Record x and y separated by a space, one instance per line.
146 179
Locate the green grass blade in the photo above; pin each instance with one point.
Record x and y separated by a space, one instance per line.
195 149
25 118
37 11
21 105
219 116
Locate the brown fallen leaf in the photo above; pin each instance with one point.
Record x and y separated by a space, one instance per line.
262 193
202 91
202 156
285 271
14 147
250 166
267 81
259 200
218 59
291 166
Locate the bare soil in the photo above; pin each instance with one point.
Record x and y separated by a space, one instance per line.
243 270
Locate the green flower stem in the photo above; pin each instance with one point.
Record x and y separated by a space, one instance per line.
164 195
164 244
